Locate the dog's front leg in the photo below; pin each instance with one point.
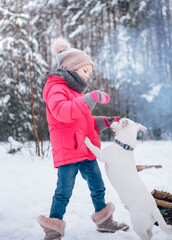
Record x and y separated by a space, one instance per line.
95 150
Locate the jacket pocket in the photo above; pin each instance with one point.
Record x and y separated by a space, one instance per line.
68 139
80 145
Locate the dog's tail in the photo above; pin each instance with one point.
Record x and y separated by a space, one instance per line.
159 218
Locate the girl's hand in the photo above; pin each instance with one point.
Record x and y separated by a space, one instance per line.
96 96
113 119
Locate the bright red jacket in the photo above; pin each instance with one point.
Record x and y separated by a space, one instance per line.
70 121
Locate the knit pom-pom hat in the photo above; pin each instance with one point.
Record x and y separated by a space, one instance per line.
69 58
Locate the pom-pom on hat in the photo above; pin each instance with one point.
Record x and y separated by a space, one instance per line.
69 58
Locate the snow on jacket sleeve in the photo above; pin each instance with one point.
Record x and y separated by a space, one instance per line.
62 109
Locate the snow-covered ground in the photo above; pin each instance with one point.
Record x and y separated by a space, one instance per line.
27 185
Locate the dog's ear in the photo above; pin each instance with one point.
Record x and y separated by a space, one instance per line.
124 122
140 127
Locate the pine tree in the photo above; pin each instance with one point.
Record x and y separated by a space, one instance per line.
17 46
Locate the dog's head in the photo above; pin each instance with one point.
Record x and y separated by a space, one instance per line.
126 124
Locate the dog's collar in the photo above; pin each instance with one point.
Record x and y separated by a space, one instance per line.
125 146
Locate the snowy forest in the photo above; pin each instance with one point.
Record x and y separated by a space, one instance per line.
130 42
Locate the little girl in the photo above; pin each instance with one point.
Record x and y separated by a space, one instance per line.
70 121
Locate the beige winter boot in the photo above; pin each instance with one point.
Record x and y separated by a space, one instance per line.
53 227
104 220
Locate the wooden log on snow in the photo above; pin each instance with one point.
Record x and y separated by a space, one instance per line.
162 195
162 203
141 167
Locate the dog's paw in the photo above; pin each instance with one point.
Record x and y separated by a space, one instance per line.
87 141
114 126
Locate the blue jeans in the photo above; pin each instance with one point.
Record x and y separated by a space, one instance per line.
66 179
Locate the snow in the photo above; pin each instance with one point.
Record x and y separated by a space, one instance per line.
97 8
164 11
6 43
80 29
76 17
7 12
20 22
14 145
152 93
142 6
5 100
123 65
114 2
28 183
123 18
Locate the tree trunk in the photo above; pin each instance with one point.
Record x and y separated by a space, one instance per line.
32 104
40 112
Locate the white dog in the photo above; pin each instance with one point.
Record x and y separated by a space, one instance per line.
121 170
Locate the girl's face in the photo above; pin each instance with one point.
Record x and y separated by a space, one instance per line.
85 71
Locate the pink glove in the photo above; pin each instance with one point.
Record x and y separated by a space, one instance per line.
113 119
96 96
100 96
103 122
116 119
